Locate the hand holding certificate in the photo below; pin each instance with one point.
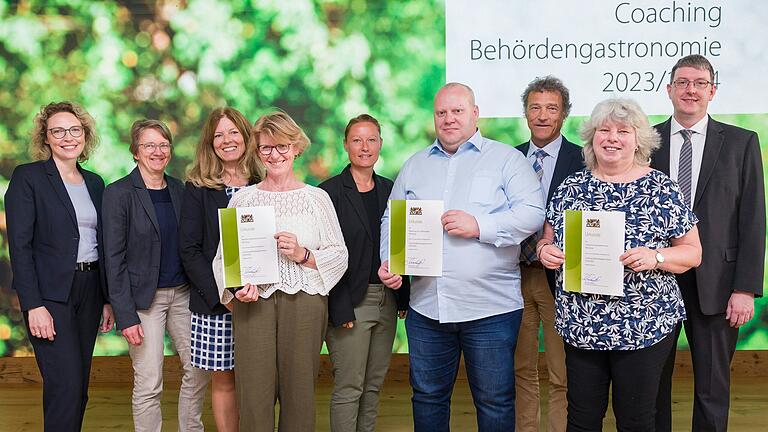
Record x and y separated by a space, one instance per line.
249 249
594 241
416 237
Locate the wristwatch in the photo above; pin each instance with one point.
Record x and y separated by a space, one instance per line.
659 258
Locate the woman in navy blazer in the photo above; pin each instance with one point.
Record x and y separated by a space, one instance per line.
147 284
53 208
361 310
223 164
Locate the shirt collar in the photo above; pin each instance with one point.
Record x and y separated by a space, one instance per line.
551 149
700 127
475 141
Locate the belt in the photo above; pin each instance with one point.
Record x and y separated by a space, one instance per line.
534 264
87 266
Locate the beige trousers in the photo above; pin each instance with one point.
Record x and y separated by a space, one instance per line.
360 357
169 310
277 359
539 307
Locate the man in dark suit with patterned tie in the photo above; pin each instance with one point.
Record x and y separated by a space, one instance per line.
546 104
719 169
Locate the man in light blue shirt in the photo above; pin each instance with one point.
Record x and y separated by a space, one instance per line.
494 202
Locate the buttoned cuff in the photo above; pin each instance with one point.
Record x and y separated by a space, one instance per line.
488 229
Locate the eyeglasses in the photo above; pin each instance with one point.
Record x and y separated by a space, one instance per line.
281 148
150 147
74 132
700 84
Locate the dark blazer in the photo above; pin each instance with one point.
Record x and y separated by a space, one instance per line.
730 205
132 244
198 241
569 160
42 232
351 289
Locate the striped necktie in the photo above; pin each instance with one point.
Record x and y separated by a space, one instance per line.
684 173
528 247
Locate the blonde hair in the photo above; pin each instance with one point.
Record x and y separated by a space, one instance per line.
206 169
40 150
281 128
626 112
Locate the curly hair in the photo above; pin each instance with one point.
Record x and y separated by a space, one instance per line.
548 83
40 149
626 112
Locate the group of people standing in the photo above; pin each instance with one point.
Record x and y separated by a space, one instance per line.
144 253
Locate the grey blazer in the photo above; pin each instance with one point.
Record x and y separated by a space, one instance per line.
132 244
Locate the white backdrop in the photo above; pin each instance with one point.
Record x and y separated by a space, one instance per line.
606 48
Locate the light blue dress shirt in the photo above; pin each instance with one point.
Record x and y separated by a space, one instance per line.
494 183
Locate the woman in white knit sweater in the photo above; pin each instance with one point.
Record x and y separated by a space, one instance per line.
279 328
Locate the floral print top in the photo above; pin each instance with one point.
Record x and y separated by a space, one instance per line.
652 304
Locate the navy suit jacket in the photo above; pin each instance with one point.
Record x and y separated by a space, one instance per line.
569 160
42 232
730 205
353 219
132 244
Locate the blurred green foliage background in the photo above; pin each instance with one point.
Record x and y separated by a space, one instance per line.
322 61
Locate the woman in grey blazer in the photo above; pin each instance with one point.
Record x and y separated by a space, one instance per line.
147 284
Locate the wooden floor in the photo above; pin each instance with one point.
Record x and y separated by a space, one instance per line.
110 407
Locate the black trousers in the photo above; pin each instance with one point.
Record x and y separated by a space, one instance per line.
632 376
65 362
712 341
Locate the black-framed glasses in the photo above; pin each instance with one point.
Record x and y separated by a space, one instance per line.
699 84
74 132
281 148
150 147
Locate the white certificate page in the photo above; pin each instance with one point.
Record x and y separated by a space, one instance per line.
594 241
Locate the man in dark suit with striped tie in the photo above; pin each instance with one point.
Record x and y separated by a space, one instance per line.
719 169
546 104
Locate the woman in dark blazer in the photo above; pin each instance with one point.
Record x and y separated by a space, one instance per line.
223 164
147 284
53 211
362 311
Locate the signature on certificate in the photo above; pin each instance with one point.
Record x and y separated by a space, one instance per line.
590 277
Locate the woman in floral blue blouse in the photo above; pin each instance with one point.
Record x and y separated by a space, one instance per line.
622 341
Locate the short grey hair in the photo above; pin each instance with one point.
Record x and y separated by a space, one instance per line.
626 112
548 83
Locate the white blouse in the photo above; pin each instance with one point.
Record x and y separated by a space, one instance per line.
309 214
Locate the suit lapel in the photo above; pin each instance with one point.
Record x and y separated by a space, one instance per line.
353 196
58 186
562 167
661 157
712 147
381 195
177 194
219 197
141 191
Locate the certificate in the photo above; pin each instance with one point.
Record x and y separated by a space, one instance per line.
248 245
594 240
416 237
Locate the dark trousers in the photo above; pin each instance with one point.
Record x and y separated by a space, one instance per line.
632 376
488 345
713 342
65 362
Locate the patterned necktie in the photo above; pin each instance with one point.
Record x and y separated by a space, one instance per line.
684 173
528 247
